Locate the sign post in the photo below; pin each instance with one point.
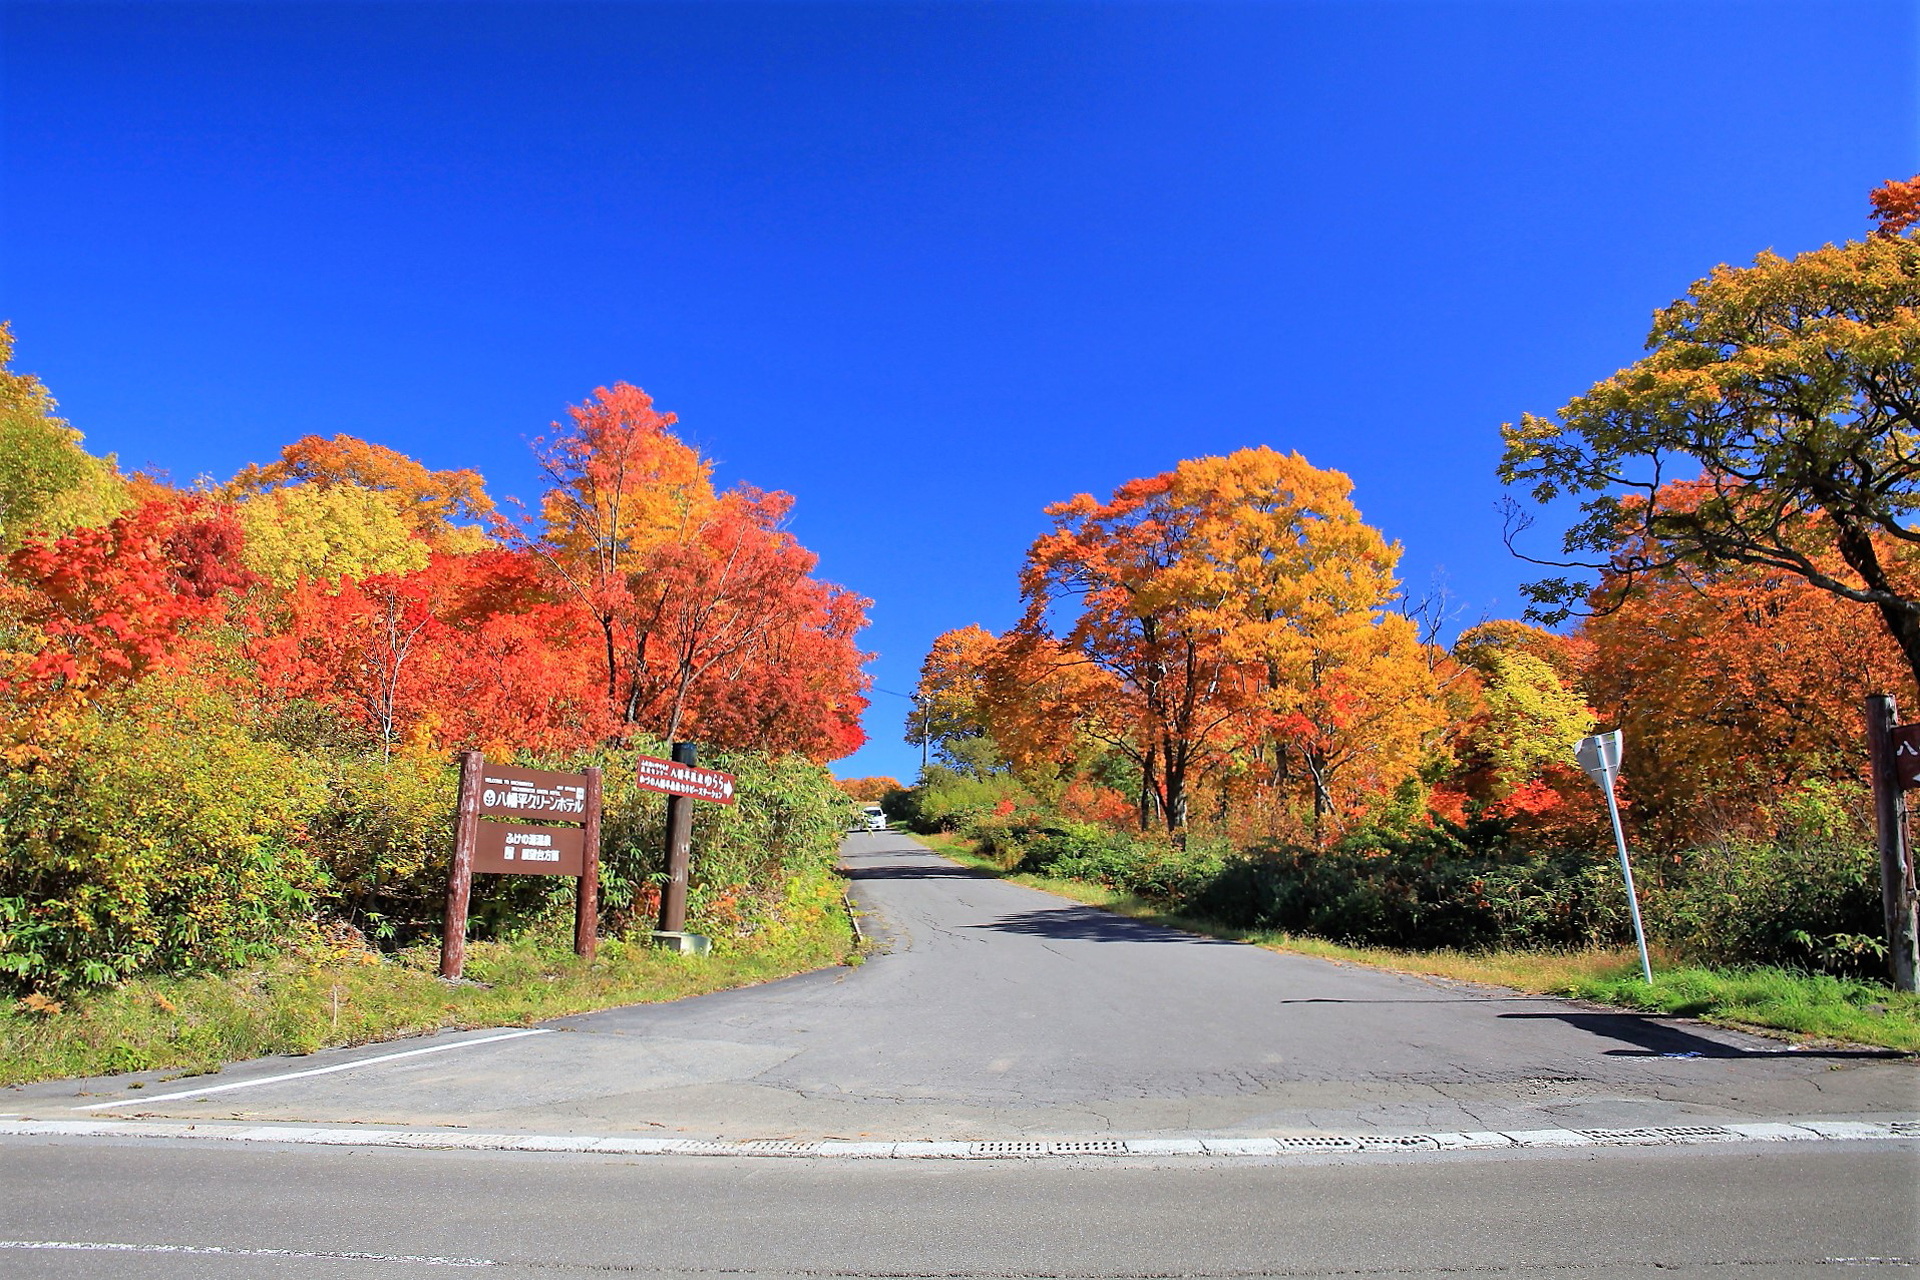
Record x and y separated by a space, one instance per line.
1894 750
683 783
518 848
1600 755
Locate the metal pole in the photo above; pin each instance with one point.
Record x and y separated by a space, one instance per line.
1633 899
673 895
466 823
586 900
1896 863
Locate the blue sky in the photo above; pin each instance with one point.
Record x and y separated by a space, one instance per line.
927 266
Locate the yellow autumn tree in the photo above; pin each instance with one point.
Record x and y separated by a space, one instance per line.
1338 699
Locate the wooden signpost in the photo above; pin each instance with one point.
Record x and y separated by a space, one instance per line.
683 783
1894 750
519 848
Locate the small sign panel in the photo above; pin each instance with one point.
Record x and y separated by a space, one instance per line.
508 848
1906 755
677 779
509 792
1600 755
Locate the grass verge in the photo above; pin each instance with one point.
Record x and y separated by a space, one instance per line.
1770 1000
332 997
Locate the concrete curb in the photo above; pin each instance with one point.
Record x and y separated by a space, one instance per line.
1021 1149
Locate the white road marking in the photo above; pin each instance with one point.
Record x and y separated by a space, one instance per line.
1019 1149
301 1075
93 1246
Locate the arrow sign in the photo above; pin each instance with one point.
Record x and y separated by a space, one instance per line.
1600 757
676 779
1906 755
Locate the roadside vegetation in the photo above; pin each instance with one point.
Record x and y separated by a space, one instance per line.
230 718
324 995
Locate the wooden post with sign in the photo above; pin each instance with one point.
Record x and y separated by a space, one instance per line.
586 902
453 927
683 783
1894 750
673 894
511 848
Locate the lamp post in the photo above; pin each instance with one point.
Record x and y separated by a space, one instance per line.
1599 755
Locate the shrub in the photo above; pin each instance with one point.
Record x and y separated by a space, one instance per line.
1431 887
161 836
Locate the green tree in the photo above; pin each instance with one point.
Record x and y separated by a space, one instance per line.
48 483
1788 389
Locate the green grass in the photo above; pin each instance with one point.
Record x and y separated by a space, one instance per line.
300 1003
1769 1000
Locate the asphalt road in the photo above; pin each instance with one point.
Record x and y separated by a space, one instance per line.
208 1210
995 1011
992 1011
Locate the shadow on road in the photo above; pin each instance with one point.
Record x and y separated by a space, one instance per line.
915 873
1090 924
1655 1038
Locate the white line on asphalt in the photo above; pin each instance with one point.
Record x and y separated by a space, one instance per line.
1022 1149
300 1075
92 1246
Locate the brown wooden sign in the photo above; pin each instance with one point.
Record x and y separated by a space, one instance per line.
1905 740
509 848
512 848
677 779
510 792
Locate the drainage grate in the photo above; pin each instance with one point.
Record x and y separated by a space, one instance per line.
1412 1142
1088 1147
777 1147
1009 1148
1317 1143
1659 1133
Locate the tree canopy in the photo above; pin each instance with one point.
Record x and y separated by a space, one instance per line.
1772 424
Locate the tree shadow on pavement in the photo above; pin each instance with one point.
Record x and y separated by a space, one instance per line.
1654 1037
1090 924
916 872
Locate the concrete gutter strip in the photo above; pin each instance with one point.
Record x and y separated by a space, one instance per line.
1020 1149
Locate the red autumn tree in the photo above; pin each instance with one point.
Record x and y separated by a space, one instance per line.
118 600
736 642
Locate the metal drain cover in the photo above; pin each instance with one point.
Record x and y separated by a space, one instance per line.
1009 1148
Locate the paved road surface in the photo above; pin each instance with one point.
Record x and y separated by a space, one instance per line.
1753 1213
995 1011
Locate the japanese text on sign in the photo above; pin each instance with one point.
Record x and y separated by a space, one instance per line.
1906 755
676 779
509 792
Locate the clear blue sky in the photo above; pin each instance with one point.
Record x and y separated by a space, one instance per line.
929 267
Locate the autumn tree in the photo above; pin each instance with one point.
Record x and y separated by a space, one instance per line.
1735 689
49 485
732 636
619 484
1238 610
1788 389
444 509
1335 689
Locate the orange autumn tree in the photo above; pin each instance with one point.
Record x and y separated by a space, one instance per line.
1734 688
1338 701
707 615
1236 613
619 485
738 644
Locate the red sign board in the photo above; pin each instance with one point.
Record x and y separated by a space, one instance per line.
510 792
508 848
1906 755
677 779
